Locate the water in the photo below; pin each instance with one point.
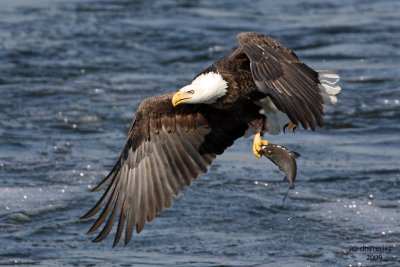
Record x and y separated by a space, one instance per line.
72 75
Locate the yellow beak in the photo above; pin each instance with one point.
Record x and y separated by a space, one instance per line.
179 98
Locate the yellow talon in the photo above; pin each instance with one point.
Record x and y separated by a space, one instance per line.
258 143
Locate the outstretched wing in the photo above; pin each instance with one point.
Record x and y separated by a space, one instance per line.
166 148
279 73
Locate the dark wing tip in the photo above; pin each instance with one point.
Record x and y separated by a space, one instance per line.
88 214
108 178
85 217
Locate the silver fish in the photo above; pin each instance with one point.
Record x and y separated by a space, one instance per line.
285 159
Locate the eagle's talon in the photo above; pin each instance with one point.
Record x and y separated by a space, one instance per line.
258 144
284 127
291 126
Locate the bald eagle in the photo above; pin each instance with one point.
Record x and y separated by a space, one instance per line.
261 87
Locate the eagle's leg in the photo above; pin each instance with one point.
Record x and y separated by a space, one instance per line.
291 126
258 142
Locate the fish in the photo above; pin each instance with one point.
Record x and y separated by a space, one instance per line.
285 159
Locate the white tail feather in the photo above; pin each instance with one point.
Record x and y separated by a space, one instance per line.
329 86
328 74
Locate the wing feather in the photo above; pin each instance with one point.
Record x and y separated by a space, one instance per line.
158 189
107 228
150 192
121 220
132 214
110 193
142 200
179 159
166 149
174 159
169 187
278 72
190 145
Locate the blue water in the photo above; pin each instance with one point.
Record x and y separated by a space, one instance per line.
72 74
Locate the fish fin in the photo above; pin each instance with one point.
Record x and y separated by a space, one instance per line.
285 196
295 154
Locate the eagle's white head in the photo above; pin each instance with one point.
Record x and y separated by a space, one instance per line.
205 89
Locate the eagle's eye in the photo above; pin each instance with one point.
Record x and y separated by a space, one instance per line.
190 92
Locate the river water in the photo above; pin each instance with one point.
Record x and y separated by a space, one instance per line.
73 72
